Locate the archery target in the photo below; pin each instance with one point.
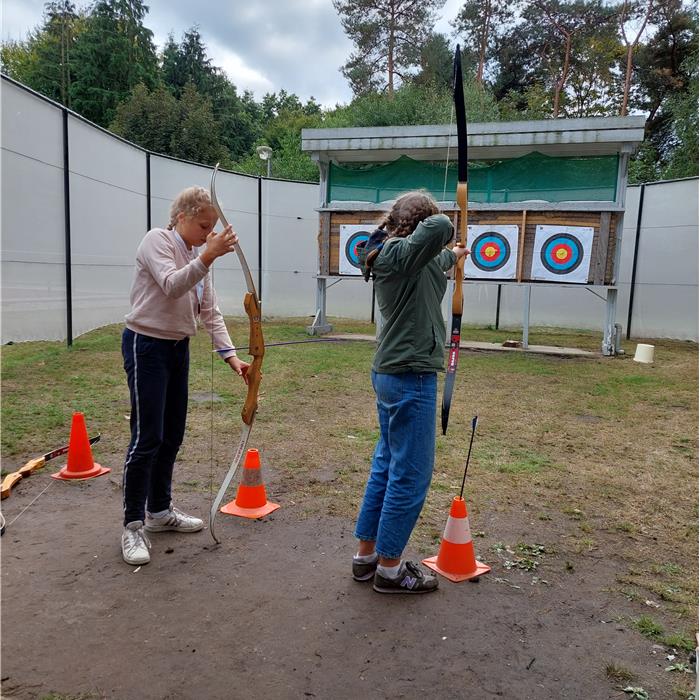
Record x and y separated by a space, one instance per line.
493 251
350 236
562 253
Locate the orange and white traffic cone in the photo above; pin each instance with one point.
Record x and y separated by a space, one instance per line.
251 499
455 559
80 463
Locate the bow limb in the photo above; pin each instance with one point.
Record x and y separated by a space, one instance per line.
33 465
462 199
256 347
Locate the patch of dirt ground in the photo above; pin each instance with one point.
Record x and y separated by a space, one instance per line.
274 613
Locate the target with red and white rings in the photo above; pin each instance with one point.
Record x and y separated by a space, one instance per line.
351 235
493 251
562 253
490 251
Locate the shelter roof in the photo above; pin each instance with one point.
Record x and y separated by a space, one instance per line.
592 136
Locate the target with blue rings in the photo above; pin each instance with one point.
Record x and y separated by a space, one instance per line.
493 251
350 238
490 251
352 253
561 253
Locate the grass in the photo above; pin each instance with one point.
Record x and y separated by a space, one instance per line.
600 455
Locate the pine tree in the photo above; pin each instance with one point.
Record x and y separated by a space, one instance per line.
112 55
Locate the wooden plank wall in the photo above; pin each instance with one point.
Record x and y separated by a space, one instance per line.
602 252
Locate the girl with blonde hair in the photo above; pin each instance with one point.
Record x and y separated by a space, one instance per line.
170 294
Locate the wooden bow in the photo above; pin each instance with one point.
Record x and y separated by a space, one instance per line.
256 348
461 238
33 465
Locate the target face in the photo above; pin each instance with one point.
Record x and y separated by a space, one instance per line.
562 253
493 251
351 235
490 251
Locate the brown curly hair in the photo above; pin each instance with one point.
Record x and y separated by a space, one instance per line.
408 211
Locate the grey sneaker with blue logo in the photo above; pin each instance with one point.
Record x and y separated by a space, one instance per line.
411 579
364 570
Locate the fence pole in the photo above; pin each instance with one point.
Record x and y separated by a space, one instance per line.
67 232
634 258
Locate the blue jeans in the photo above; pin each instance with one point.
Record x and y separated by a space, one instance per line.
403 460
157 372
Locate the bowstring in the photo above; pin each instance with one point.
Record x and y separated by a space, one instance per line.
447 161
449 136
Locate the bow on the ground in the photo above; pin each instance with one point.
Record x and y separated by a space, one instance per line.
256 348
33 465
462 198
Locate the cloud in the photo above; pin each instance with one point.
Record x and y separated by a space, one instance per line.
292 45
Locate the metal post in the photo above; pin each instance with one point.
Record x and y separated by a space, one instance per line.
526 315
260 217
66 210
320 324
634 258
148 191
608 345
498 307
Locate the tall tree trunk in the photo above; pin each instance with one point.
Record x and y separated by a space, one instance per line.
630 51
390 56
484 43
628 80
564 75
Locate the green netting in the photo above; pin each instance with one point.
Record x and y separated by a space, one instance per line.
534 176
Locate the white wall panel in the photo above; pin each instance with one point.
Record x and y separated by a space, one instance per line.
33 232
666 290
290 248
108 220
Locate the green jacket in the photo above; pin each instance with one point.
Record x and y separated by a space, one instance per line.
409 284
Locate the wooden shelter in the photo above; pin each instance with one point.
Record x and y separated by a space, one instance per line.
547 198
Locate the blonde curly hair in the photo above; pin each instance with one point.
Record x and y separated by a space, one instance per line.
190 202
408 211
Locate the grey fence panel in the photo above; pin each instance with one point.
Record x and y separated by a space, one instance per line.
666 291
108 219
33 231
290 248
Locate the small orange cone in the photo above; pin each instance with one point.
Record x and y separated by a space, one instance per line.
80 463
456 560
251 500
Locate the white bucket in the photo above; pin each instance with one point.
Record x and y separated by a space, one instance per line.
644 353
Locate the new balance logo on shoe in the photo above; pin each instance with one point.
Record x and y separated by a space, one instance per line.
411 579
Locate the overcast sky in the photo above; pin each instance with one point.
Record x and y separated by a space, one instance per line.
295 45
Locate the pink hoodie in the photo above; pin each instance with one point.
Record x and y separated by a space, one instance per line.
172 290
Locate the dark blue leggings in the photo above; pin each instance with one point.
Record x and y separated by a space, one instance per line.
157 372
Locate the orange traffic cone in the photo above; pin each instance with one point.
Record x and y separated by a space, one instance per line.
456 560
251 500
80 463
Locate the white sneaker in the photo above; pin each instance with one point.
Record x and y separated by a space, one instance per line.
174 520
135 544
